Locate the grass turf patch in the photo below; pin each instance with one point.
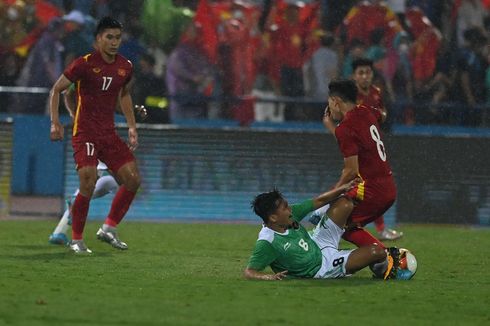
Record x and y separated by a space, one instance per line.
191 274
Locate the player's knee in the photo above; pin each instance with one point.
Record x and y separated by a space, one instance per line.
87 187
133 182
343 205
347 204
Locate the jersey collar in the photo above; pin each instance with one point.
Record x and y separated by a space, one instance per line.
284 233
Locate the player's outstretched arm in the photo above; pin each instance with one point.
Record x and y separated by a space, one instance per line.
328 196
127 109
252 274
61 84
350 170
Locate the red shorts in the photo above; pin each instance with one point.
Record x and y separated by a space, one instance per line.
110 149
371 198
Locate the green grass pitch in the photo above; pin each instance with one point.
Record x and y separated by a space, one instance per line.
191 274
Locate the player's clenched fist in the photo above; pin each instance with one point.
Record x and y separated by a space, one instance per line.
56 131
133 138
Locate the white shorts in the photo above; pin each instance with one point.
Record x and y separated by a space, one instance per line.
327 236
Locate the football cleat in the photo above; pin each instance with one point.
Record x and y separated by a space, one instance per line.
79 247
58 239
389 234
393 256
111 238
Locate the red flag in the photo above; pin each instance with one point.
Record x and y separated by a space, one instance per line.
209 37
44 13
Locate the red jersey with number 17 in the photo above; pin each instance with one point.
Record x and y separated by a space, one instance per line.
359 134
98 84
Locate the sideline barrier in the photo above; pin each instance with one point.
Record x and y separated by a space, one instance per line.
442 179
213 174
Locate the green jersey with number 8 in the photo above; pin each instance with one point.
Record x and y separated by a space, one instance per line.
293 250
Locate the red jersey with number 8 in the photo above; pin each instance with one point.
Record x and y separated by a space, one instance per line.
98 85
359 134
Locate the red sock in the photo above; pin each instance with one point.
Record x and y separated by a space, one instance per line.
380 224
361 238
79 212
120 206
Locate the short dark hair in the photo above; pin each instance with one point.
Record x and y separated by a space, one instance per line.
106 23
361 62
346 89
265 204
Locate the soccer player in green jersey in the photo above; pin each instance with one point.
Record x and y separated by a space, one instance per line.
285 245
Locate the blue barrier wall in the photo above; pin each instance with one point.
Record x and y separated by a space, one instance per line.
37 162
442 173
212 174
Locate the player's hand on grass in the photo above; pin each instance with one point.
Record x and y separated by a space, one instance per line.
277 277
133 138
56 132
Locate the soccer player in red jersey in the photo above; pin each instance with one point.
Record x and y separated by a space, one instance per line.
360 141
370 95
101 79
367 93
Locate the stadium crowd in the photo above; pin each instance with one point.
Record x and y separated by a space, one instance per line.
262 60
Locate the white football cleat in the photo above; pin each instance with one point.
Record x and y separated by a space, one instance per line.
79 247
111 238
389 234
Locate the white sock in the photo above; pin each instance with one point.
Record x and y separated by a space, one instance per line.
104 185
63 226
